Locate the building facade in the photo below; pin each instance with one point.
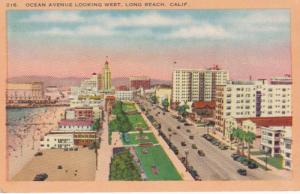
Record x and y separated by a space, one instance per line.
106 78
57 141
197 85
19 93
140 82
75 125
244 99
125 95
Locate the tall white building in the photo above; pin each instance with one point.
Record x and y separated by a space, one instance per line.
244 99
197 85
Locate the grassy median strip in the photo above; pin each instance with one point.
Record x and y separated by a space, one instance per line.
124 168
138 138
157 164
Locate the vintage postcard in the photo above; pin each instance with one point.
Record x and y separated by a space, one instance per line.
149 96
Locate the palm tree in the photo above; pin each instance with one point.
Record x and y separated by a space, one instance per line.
165 103
239 135
249 138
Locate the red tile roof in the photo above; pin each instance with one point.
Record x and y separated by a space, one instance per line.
204 104
269 121
110 98
75 122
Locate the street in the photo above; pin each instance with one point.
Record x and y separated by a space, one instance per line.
216 164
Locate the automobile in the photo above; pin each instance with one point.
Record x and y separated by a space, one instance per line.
201 153
187 124
205 136
182 159
158 112
183 143
194 146
252 165
236 158
40 177
174 133
38 154
191 137
234 155
242 171
188 130
241 159
178 127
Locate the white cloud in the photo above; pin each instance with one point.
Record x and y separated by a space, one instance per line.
54 16
201 31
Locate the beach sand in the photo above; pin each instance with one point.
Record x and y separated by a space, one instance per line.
83 161
25 141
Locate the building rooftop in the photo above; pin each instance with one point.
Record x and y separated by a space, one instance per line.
269 121
76 122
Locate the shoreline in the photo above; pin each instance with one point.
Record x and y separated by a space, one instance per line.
23 138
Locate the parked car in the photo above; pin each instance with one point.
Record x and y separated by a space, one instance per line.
242 171
174 133
252 165
194 146
187 124
183 143
188 130
201 153
38 154
178 127
191 137
169 129
40 177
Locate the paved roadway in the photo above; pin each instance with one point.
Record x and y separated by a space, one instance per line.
217 164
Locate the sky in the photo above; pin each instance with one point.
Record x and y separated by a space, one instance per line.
147 42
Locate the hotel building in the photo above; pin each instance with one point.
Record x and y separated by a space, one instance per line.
244 99
197 85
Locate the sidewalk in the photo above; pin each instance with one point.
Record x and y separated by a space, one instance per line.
104 155
253 157
177 163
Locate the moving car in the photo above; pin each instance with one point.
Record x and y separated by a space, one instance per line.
188 130
178 127
242 171
187 124
40 177
191 137
183 143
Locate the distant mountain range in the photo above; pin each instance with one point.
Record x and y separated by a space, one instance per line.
73 81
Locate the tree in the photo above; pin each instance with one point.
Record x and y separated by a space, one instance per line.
153 99
165 103
236 133
249 138
182 110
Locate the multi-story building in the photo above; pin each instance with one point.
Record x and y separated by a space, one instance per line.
163 93
140 82
58 141
19 93
125 95
276 140
75 125
197 85
286 148
244 99
106 78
